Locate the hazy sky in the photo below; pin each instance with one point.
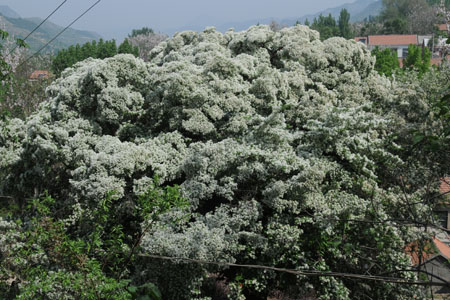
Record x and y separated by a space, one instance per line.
115 18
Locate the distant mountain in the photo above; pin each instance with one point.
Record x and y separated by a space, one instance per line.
359 10
373 10
20 27
8 12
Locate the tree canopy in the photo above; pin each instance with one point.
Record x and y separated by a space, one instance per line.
256 147
142 31
328 27
386 61
101 49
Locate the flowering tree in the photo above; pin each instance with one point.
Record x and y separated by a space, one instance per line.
146 41
285 147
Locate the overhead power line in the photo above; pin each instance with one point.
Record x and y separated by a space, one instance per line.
313 272
37 27
61 32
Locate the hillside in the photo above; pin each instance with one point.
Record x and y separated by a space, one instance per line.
8 12
359 10
20 27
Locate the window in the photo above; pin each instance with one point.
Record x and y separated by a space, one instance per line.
404 52
442 218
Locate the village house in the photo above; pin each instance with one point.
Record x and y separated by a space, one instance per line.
397 42
39 74
433 257
443 210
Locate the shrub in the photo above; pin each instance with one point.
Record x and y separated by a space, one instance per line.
277 140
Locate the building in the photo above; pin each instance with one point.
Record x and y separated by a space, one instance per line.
39 74
442 27
433 257
443 210
397 42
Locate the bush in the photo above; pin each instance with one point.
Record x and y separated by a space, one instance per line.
277 140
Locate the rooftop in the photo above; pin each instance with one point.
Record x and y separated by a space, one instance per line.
394 39
38 74
430 251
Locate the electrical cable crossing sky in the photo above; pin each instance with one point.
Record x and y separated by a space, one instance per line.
61 32
37 27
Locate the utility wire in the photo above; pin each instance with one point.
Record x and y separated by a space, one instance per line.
61 32
36 28
307 273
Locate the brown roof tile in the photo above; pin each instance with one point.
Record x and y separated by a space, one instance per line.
394 39
442 27
40 74
362 39
445 185
429 251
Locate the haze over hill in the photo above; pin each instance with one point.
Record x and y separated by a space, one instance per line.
116 18
358 10
8 12
20 27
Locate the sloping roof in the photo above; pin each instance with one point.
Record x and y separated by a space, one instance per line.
445 185
429 252
362 39
442 27
436 61
443 248
40 74
394 39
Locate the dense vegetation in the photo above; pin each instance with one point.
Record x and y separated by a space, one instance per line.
329 27
101 49
257 147
403 17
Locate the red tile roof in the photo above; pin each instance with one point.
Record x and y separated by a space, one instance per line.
40 74
442 27
445 185
436 61
429 252
443 248
394 39
362 39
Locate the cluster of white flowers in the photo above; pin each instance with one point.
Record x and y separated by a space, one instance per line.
274 138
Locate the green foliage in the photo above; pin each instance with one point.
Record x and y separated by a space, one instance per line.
418 58
344 24
328 27
102 49
395 26
408 16
288 150
386 61
127 47
42 257
143 30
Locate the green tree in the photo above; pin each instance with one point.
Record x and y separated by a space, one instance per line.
68 57
326 26
418 58
397 25
408 16
143 30
309 184
127 47
386 61
307 22
344 24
